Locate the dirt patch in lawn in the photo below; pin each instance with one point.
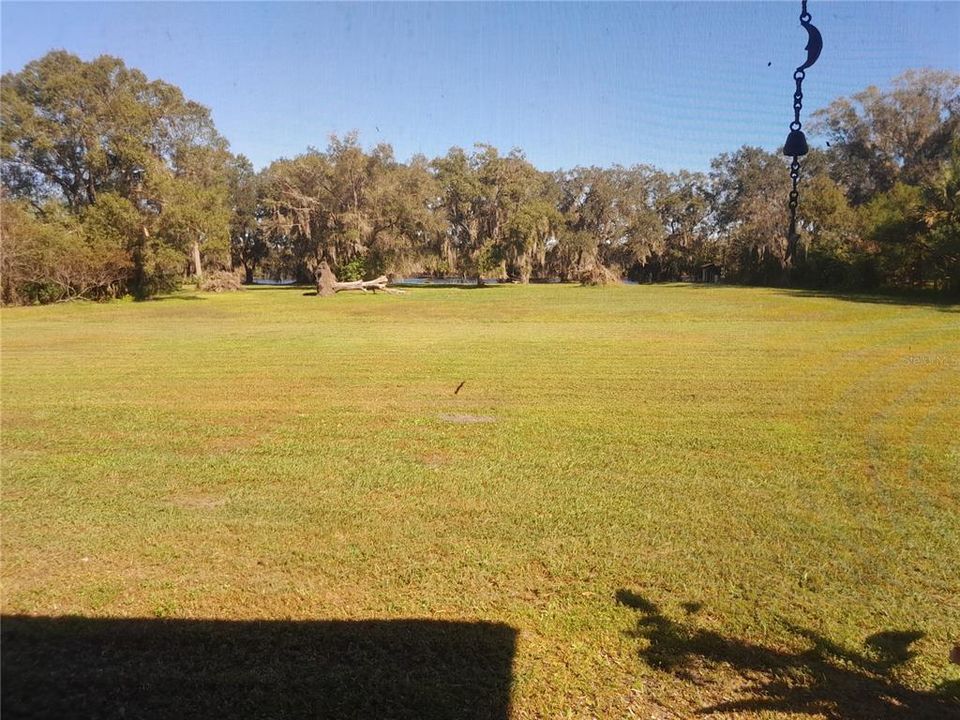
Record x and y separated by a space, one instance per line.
198 502
434 460
461 419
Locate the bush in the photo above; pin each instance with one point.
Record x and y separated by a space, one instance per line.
57 258
599 275
221 281
353 270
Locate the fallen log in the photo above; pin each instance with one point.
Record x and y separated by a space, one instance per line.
379 283
327 283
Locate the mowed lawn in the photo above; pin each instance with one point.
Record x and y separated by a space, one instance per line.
680 498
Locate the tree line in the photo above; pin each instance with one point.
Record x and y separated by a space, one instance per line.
115 184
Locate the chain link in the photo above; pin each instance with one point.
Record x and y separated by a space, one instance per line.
798 76
792 204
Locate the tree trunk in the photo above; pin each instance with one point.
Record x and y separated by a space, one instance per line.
248 275
197 268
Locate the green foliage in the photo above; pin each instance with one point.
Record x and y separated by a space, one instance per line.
744 183
159 269
879 137
829 235
682 202
115 219
893 222
487 258
942 218
353 270
568 252
141 168
136 163
248 241
60 256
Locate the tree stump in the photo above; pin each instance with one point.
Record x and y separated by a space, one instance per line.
326 280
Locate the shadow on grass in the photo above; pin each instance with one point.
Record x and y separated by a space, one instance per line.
825 679
164 298
915 300
285 286
446 286
314 293
76 667
930 300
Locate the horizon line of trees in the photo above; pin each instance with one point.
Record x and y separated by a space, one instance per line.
114 184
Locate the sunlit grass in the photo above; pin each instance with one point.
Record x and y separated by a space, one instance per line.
787 460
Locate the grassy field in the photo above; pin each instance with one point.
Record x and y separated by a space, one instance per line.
645 501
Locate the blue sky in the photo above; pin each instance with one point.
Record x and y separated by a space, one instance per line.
672 84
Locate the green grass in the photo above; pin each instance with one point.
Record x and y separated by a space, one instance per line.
785 462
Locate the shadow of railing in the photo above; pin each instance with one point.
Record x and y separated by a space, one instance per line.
824 680
77 667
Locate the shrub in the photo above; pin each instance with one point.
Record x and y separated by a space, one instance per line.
57 258
221 281
599 275
353 270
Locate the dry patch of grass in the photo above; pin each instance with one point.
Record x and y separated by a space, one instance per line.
465 419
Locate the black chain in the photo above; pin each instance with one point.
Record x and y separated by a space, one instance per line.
798 77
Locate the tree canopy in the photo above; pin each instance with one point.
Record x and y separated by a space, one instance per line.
130 157
114 183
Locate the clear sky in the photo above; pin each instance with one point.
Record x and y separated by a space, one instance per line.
672 84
